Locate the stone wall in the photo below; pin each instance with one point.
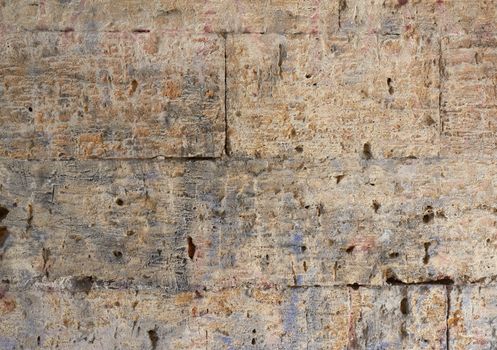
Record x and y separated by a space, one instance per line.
248 174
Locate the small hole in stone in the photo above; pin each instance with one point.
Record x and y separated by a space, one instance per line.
303 248
30 109
404 307
308 76
394 255
117 254
354 286
426 258
350 249
376 206
253 341
428 214
119 201
390 87
299 149
366 151
254 331
3 213
191 248
134 85
427 218
130 233
154 338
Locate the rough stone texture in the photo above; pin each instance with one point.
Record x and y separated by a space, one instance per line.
327 96
232 318
248 174
111 95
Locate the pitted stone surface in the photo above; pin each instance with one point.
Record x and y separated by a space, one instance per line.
243 174
111 95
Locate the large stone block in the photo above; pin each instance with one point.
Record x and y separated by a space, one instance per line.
391 17
111 95
468 95
370 96
186 225
312 318
472 318
220 16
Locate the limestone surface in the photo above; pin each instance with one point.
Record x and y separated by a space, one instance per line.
249 174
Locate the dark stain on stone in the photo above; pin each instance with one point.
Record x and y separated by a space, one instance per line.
4 234
134 85
376 206
191 248
45 253
390 87
426 258
81 284
428 215
154 338
404 306
354 286
366 151
3 213
281 56
339 178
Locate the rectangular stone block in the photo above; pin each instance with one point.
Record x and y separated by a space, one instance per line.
369 97
398 318
220 16
186 225
460 17
472 318
408 18
111 95
313 318
417 17
122 222
390 222
468 95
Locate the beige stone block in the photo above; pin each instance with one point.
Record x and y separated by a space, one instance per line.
472 318
194 224
391 17
317 318
468 95
332 98
111 95
220 16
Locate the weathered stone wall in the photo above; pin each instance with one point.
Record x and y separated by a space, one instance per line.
248 174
